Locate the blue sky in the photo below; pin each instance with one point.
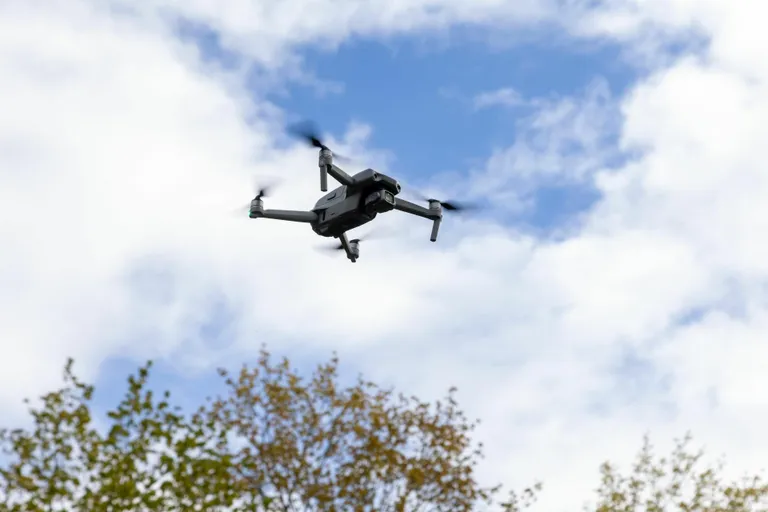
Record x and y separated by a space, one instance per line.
420 101
418 96
620 293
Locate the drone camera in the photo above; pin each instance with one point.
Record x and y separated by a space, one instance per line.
380 201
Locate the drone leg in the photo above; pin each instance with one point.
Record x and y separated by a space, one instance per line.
435 207
325 160
323 178
352 254
435 228
433 213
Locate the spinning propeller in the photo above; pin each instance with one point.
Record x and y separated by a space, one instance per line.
449 206
309 132
263 192
337 246
259 191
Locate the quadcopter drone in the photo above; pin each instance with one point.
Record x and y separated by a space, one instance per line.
357 201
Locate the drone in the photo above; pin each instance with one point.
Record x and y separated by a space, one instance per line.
356 201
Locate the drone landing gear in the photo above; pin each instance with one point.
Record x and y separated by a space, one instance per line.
352 248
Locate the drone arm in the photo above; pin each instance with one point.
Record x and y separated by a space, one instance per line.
289 215
324 178
352 252
327 167
415 209
339 175
433 213
435 229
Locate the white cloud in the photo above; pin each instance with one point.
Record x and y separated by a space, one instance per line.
563 141
504 97
121 156
269 30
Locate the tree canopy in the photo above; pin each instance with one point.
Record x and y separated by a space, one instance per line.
679 482
274 441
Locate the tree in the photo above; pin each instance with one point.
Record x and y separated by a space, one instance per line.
273 442
680 482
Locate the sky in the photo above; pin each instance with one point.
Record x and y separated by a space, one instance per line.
613 285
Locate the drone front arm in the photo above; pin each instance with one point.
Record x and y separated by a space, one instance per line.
339 175
328 167
415 209
289 215
434 213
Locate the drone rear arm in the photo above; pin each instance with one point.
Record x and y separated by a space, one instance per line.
289 215
433 213
351 248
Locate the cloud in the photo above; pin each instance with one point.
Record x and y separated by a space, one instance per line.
563 141
122 154
269 31
504 97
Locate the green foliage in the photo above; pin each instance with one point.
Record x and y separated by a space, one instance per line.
150 457
679 483
273 442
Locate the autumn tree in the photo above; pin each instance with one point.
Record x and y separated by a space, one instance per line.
274 441
680 482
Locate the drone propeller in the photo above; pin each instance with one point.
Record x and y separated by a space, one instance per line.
309 132
450 206
334 247
263 192
337 247
259 192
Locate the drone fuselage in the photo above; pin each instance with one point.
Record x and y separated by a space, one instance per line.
357 201
350 206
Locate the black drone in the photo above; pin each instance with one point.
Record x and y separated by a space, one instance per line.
356 202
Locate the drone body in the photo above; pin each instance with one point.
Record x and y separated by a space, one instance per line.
357 201
352 205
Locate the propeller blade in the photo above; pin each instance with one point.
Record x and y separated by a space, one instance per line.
375 234
264 190
310 133
242 210
330 247
259 191
341 158
451 206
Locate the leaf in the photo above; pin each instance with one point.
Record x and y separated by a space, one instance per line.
276 440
